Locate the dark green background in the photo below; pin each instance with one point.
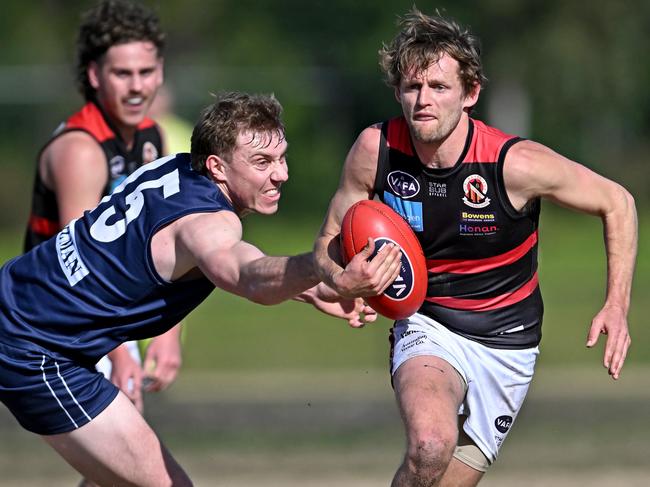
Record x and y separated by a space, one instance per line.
581 68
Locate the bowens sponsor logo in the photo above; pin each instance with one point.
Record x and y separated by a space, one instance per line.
503 423
477 217
403 184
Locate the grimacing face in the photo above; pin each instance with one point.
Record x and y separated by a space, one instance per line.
126 80
433 100
256 171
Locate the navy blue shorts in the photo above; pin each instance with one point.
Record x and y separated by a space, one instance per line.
50 396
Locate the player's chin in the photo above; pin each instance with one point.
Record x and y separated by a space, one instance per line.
133 118
268 207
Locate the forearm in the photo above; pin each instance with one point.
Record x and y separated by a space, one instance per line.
327 259
271 280
621 236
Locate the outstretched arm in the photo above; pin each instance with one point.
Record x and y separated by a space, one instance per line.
213 243
531 171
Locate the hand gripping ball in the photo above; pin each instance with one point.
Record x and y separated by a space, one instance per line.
373 219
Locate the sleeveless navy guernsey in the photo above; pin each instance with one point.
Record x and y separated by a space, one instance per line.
147 146
94 285
481 253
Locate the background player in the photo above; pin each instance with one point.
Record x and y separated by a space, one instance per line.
119 70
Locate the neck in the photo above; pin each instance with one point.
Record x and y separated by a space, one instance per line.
128 136
224 191
444 153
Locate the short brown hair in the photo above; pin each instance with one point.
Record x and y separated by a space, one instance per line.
421 42
231 114
109 23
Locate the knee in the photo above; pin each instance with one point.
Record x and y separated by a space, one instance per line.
429 454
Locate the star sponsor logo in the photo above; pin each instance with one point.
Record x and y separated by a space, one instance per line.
403 184
475 188
439 190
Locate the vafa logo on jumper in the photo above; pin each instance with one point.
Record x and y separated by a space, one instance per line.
475 189
403 184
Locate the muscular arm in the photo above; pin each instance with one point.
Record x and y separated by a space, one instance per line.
532 170
359 278
212 242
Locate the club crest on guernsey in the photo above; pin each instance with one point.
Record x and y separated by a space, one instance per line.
475 188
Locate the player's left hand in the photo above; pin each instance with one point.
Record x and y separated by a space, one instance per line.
162 360
126 374
354 310
611 321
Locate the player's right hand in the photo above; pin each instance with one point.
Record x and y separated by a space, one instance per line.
364 277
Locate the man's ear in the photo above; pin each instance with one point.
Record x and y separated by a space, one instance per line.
397 94
160 70
217 168
92 71
472 97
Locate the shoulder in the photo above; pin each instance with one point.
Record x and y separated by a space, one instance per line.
361 162
209 230
367 143
527 162
75 140
73 152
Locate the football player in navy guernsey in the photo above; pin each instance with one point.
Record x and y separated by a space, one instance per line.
119 70
462 364
134 266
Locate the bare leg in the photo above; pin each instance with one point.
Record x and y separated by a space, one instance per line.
459 474
429 392
119 448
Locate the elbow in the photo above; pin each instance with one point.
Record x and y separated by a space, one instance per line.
258 295
628 204
630 201
622 205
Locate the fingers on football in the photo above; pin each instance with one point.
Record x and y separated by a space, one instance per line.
390 267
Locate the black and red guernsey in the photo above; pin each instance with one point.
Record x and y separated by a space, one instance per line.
481 253
147 146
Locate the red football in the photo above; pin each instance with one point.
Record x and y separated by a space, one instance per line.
378 221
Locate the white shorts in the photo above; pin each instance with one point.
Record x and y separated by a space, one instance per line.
497 379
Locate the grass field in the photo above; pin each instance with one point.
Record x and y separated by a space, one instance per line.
310 428
285 396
